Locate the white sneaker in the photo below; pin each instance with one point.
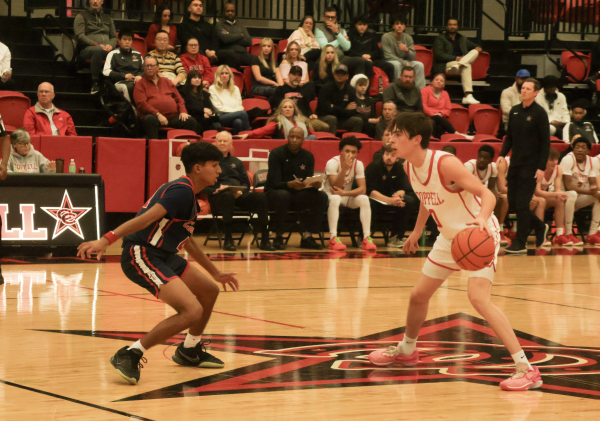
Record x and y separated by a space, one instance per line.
470 100
466 136
395 242
454 69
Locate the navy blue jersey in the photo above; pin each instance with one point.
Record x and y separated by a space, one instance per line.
171 232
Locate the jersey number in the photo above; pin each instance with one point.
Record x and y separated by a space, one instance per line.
435 218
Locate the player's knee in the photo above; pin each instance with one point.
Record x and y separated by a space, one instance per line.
363 201
571 196
192 313
478 301
335 200
418 296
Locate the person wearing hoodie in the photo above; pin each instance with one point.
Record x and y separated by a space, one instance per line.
124 65
45 119
399 50
555 105
194 26
96 35
5 150
233 40
24 158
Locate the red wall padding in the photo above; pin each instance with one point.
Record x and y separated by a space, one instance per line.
122 164
158 165
78 148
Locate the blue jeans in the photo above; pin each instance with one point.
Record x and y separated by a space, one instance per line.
238 121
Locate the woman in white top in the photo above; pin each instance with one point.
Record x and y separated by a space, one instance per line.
266 74
305 37
292 58
227 101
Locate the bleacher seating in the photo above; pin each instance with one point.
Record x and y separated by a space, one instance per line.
13 106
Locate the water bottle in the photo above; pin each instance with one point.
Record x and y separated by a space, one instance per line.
72 167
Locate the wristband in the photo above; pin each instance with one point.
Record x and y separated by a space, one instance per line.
111 237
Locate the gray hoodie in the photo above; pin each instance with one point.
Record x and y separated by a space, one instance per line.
34 162
93 28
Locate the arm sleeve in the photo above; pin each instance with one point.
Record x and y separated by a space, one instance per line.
5 65
544 140
226 38
387 46
28 122
310 167
566 136
112 34
410 44
179 67
438 51
471 45
507 145
178 99
70 126
108 69
425 97
209 72
247 40
505 105
565 117
178 200
274 175
371 179
322 40
141 100
388 94
262 132
446 104
419 104
343 42
79 30
216 101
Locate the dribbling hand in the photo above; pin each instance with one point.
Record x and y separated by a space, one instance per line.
482 224
227 279
411 245
85 250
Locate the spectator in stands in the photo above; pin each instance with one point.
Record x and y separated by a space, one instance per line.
577 127
227 101
512 96
292 58
436 105
267 77
288 166
454 53
387 185
385 140
45 119
159 103
223 200
194 26
193 60
169 65
162 22
124 66
366 45
285 118
555 105
6 83
96 35
449 149
341 173
323 70
198 104
24 158
399 50
302 96
337 103
233 40
305 37
332 33
388 113
364 104
404 92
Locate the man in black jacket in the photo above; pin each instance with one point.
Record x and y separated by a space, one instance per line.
337 103
404 92
233 40
302 96
365 44
124 66
454 53
223 200
387 187
288 166
528 135
194 26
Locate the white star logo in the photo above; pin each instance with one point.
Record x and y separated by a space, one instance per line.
67 217
302 167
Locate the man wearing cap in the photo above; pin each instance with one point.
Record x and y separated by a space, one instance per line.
302 96
512 96
555 105
337 103
404 92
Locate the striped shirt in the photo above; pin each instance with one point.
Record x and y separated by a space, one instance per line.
169 65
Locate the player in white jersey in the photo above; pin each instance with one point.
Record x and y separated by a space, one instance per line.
450 193
502 196
550 189
579 175
484 167
341 171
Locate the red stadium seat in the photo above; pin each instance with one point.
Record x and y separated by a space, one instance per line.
238 79
487 121
473 108
359 136
425 56
453 138
263 104
12 109
255 48
183 134
78 148
554 139
480 66
459 118
486 138
283 44
578 70
325 136
313 105
378 108
122 164
374 82
139 44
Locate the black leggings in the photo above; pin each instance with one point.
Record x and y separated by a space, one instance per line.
441 126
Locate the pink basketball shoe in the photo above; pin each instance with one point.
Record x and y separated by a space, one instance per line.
524 379
336 244
383 357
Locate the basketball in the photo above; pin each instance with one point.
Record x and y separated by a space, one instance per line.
473 249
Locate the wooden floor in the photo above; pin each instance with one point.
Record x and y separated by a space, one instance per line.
295 340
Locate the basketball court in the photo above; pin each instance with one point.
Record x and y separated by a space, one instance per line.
295 341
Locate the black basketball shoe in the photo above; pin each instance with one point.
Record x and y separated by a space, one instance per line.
196 357
127 363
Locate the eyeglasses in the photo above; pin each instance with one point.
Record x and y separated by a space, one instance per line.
329 17
23 143
149 65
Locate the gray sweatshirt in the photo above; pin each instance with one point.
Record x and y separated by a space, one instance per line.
93 28
34 162
230 36
391 51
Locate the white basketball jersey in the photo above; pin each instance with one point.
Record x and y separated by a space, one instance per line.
548 185
580 172
333 167
483 176
451 207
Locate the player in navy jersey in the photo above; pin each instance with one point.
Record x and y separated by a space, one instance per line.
5 150
151 241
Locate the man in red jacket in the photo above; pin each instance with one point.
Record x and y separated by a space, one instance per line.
45 119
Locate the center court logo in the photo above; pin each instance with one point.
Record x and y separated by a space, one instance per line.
457 347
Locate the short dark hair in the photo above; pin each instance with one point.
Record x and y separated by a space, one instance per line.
452 18
581 139
365 19
554 154
439 74
330 9
536 83
408 68
414 124
199 153
304 20
125 33
488 149
350 141
550 81
450 149
580 103
160 32
398 18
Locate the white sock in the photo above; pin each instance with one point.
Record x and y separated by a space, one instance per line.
569 228
408 345
595 219
560 231
501 227
520 357
137 345
191 341
333 235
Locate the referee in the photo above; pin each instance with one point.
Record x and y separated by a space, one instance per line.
528 135
5 150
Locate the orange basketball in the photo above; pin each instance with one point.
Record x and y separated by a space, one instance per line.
473 249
